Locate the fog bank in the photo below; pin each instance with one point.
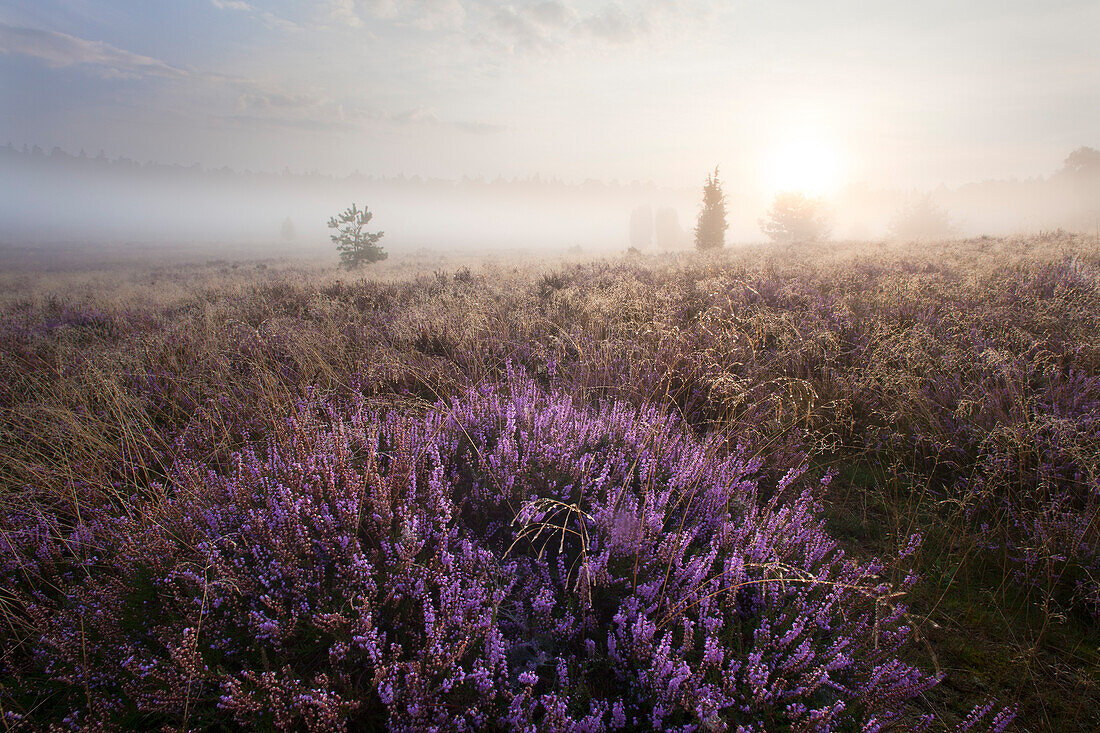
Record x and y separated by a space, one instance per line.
61 197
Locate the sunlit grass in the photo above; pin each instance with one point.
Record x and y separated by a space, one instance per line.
952 386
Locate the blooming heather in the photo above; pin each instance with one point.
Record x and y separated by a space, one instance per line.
511 560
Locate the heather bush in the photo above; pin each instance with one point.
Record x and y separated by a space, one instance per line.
510 560
954 387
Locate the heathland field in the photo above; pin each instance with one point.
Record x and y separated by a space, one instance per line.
831 487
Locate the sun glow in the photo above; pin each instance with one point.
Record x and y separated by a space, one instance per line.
806 166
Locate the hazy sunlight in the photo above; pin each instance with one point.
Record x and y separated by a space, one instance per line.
805 165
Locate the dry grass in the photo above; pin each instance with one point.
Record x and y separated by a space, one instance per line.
111 372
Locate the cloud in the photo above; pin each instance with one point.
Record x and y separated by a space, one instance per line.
613 25
62 50
417 115
479 128
521 33
536 28
279 123
312 111
271 20
345 13
436 14
552 14
382 8
518 27
428 118
261 106
230 5
259 102
426 15
554 25
274 21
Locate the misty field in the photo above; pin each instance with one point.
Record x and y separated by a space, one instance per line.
823 487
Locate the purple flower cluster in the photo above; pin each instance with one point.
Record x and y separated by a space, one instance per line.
431 535
510 560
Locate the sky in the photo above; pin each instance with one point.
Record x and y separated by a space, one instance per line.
780 94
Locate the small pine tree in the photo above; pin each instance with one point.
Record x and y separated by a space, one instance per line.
356 246
710 231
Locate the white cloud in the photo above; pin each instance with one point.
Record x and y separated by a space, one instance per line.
263 105
521 32
258 101
382 8
345 13
425 117
479 128
613 25
230 5
274 21
271 20
270 107
438 14
62 50
427 15
553 25
552 14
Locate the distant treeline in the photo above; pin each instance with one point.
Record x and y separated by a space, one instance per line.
63 160
109 199
112 198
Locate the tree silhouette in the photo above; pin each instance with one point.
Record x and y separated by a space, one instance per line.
1083 162
1082 172
921 219
794 217
641 227
356 246
710 230
666 225
287 230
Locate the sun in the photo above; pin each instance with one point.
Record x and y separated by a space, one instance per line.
804 165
